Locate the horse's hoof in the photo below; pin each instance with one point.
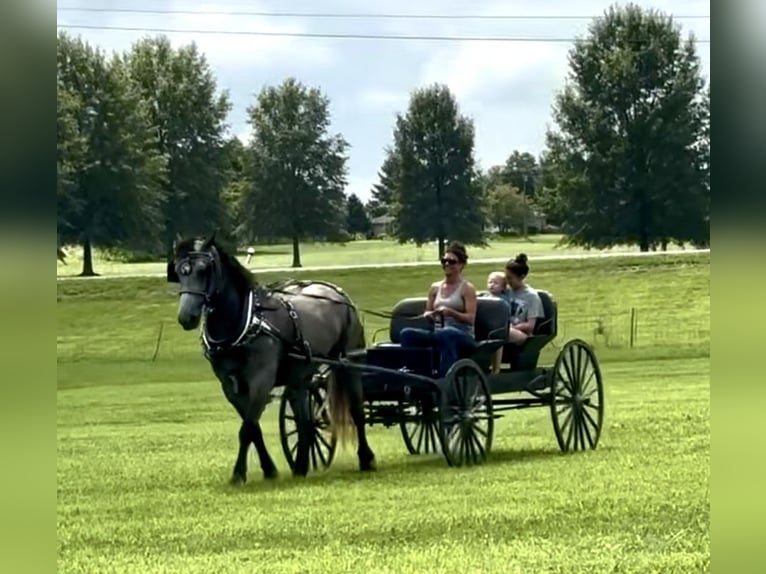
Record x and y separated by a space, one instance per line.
237 480
368 466
271 475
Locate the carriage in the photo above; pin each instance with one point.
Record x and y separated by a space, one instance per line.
456 413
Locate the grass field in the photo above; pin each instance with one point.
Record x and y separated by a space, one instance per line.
145 448
323 254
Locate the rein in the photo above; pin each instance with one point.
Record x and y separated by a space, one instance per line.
280 288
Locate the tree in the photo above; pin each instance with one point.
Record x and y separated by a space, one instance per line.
384 192
522 172
108 170
298 169
190 116
507 208
236 174
628 163
547 197
437 193
357 221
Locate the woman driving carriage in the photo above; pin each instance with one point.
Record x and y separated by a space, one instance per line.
452 308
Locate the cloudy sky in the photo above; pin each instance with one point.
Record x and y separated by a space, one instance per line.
506 87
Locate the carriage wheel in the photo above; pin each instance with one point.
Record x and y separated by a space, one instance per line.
420 427
323 442
467 422
577 397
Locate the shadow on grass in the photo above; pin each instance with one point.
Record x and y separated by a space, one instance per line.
404 471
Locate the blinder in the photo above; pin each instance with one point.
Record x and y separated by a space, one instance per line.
172 273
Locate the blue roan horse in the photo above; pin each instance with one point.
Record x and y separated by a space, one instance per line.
248 334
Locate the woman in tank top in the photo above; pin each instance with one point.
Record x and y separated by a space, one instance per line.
452 307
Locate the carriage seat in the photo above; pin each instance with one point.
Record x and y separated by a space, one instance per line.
490 327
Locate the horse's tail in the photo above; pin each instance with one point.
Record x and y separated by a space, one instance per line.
341 423
345 381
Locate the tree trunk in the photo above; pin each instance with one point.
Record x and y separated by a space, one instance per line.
87 259
296 252
441 246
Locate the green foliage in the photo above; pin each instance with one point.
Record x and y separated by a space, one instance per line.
109 172
357 221
190 116
628 157
522 172
507 208
437 195
298 169
384 192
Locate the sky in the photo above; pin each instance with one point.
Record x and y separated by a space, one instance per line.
507 88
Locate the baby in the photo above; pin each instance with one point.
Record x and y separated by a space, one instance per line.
497 286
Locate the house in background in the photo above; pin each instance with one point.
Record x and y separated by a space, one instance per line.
382 225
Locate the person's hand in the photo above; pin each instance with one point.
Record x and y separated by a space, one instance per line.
431 314
446 311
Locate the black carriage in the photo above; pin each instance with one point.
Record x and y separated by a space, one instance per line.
456 413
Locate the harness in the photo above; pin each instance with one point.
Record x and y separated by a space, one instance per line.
256 325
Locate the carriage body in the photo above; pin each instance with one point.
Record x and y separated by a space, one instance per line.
401 386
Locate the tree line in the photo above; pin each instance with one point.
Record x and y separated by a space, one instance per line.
143 153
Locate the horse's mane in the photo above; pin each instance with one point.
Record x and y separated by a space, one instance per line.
241 276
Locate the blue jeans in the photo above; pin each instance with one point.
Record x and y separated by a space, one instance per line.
448 340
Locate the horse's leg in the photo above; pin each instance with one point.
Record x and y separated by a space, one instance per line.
353 383
299 401
261 375
267 464
230 384
239 475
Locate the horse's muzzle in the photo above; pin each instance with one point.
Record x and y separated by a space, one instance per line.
190 311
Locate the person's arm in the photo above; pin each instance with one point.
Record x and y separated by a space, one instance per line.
469 315
527 326
535 313
429 312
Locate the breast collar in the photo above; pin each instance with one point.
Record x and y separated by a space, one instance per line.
256 325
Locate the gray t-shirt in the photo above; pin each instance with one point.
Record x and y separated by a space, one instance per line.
525 305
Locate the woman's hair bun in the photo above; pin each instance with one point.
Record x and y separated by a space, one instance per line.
521 258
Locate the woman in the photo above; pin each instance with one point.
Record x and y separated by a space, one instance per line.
526 305
452 307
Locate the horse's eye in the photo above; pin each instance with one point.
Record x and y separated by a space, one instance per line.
185 268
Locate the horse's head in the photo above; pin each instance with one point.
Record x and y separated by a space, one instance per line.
197 268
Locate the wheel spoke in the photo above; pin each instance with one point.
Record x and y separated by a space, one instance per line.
571 427
322 457
478 442
590 419
323 440
312 451
567 382
586 430
586 385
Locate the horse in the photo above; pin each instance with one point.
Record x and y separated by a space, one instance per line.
257 338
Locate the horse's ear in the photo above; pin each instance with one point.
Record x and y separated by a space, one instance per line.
210 240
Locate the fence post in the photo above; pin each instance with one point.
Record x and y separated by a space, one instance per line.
159 340
632 326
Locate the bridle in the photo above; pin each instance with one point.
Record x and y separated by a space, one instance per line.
214 275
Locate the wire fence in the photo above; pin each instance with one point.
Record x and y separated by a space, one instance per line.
632 329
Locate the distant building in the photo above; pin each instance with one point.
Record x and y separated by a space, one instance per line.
382 225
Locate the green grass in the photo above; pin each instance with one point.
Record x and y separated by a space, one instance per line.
145 449
322 254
